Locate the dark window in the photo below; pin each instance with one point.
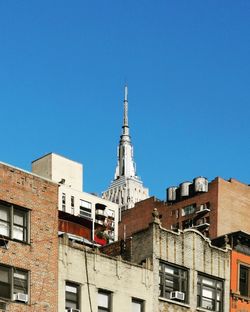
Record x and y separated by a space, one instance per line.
187 224
104 301
13 222
244 281
175 226
5 282
173 279
209 293
137 305
72 204
72 295
63 202
13 281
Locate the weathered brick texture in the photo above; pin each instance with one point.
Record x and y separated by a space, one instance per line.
40 256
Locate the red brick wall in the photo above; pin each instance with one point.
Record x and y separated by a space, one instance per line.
200 198
140 216
40 257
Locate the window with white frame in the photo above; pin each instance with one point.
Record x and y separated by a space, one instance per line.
137 305
104 301
244 280
190 209
13 282
71 296
173 282
210 293
63 202
13 222
85 209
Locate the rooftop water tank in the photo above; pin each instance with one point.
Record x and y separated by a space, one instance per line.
201 185
184 188
171 193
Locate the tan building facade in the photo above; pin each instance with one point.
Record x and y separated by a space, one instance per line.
189 273
29 242
91 282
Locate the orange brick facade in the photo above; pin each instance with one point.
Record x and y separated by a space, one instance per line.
40 255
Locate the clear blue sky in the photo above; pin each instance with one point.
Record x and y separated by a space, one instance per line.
63 65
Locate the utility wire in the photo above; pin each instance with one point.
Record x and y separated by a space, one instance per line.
87 276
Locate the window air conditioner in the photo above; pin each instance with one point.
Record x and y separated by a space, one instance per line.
21 297
177 295
3 306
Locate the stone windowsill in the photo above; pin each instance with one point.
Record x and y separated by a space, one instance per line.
237 296
185 305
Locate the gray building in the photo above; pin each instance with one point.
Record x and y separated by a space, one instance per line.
189 273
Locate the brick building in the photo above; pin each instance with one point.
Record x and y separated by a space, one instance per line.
28 242
214 208
240 270
90 281
189 273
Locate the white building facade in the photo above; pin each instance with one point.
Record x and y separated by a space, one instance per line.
71 199
127 188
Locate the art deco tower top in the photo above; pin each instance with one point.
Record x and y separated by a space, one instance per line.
126 189
125 166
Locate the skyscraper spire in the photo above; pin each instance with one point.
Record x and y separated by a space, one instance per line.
125 165
126 188
125 113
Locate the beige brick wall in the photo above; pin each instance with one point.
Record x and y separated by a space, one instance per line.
125 280
188 249
233 207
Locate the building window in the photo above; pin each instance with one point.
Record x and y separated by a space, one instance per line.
72 204
137 305
244 281
209 293
188 210
13 282
13 222
186 224
104 301
175 226
63 202
71 296
85 209
173 279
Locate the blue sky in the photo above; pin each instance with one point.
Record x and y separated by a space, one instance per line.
63 65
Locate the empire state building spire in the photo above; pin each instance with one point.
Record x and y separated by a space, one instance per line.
125 114
126 189
125 166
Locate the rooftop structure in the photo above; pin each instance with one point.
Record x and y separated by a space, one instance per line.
71 199
215 208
